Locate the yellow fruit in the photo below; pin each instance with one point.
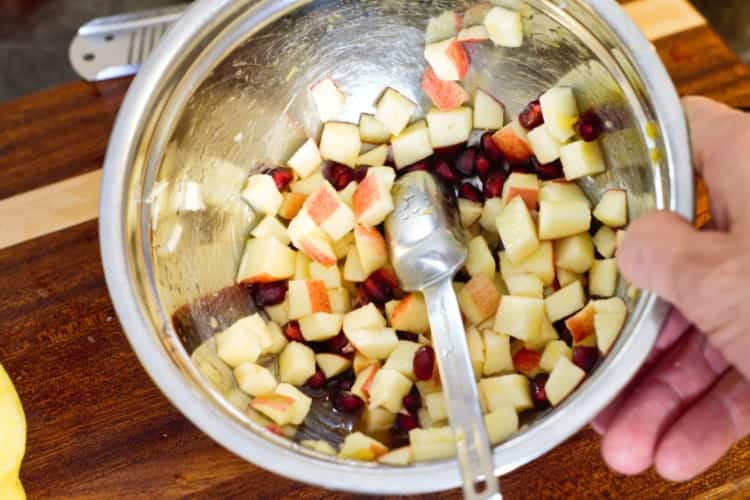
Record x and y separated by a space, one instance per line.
12 433
12 490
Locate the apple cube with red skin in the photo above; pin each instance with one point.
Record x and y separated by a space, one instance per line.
374 343
444 95
332 364
291 205
310 239
448 59
546 147
329 99
609 318
277 407
412 145
469 212
372 249
340 142
266 260
580 159
575 253
497 355
504 27
565 301
270 226
527 361
581 325
262 194
410 315
372 201
318 327
612 209
553 351
394 111
473 34
402 358
513 143
541 263
448 128
435 443
560 112
524 185
296 364
561 190
358 446
363 382
353 271
501 424
517 231
376 157
255 379
361 362
525 285
388 390
519 317
306 159
372 131
563 379
329 213
605 241
399 457
506 391
603 278
564 218
478 299
307 297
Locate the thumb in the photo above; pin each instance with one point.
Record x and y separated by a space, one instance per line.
663 253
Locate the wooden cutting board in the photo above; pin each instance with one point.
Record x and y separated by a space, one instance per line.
99 428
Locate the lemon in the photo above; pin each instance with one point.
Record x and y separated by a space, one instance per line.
12 439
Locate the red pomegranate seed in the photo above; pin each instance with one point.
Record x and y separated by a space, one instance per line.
338 175
406 422
338 344
359 174
377 290
450 153
548 171
293 332
348 402
424 362
538 394
531 116
446 173
493 185
585 357
483 166
413 401
590 126
470 192
465 162
317 381
269 294
282 176
346 383
491 151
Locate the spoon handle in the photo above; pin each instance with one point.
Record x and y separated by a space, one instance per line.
461 396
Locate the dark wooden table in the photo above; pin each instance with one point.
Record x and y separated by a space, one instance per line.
99 428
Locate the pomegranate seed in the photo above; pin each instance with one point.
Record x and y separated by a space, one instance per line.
446 173
346 383
491 151
531 116
406 422
317 381
424 362
413 401
483 166
470 192
450 153
548 171
538 394
359 174
408 336
293 332
465 162
361 299
338 344
338 175
348 402
282 176
590 126
381 286
493 185
269 294
585 357
389 276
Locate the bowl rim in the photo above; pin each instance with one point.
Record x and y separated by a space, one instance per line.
200 409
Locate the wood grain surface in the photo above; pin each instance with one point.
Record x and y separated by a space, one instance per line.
99 428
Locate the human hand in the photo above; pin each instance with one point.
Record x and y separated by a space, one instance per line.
692 400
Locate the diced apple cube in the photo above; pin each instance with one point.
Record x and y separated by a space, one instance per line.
332 364
541 263
340 142
469 212
266 260
497 354
448 128
318 445
444 95
373 252
504 27
552 353
432 444
581 158
360 362
506 391
279 313
270 226
563 379
374 343
547 334
366 317
318 327
517 231
277 407
278 340
388 390
473 34
581 325
402 358
605 241
358 446
478 299
340 300
565 301
372 201
476 350
255 379
306 159
353 271
310 239
519 317
488 220
375 157
291 205
347 194
565 277
603 278
546 147
398 457
524 185
262 195
329 100
411 145
448 59
436 407
394 111
244 341
525 285
561 190
575 253
377 419
296 364
612 209
608 326
558 219
308 185
560 112
302 267
410 315
372 131
302 403
446 25
489 113
307 297
329 275
329 213
613 305
513 142
501 424
479 259
363 382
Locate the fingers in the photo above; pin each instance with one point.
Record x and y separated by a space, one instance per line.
702 435
680 377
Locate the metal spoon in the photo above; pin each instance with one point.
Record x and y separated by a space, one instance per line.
427 249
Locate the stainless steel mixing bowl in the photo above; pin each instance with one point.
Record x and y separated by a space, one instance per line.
226 93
